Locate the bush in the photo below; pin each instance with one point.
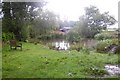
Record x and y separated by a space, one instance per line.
73 36
86 50
7 36
113 41
98 72
75 47
101 46
104 43
102 36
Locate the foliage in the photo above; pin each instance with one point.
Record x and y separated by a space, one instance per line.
43 24
76 47
18 15
36 61
97 19
27 20
94 22
85 50
7 36
111 41
103 36
101 46
98 72
73 36
104 43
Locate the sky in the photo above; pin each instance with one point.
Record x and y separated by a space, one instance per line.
73 9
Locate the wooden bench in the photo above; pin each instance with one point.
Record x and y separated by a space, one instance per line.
14 44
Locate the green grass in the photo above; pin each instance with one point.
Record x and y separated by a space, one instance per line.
37 61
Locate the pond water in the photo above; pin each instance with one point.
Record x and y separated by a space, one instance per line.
65 45
112 69
61 45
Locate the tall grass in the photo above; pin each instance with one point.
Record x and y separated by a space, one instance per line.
38 61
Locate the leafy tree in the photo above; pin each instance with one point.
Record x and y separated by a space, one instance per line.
18 15
94 22
73 36
44 24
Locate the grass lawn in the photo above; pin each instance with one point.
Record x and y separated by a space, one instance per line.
37 61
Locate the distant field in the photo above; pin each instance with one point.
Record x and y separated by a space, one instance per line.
37 61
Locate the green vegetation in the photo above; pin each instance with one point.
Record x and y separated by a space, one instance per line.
7 36
106 35
93 22
73 36
30 20
35 26
25 22
100 47
38 61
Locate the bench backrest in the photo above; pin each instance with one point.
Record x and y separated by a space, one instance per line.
13 43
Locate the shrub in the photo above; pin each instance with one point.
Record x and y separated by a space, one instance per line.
98 72
113 41
101 46
75 47
104 43
86 50
73 36
102 36
7 36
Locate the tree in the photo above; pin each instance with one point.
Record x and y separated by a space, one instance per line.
73 36
18 15
94 22
44 24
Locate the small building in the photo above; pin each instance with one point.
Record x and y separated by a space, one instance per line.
65 29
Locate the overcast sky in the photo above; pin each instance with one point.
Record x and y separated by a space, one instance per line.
72 9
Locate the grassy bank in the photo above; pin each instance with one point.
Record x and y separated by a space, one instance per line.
38 61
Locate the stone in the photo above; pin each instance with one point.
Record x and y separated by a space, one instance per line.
113 48
112 69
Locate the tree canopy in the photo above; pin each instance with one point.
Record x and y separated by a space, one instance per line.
24 19
94 22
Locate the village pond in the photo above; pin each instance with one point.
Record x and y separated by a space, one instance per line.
66 45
